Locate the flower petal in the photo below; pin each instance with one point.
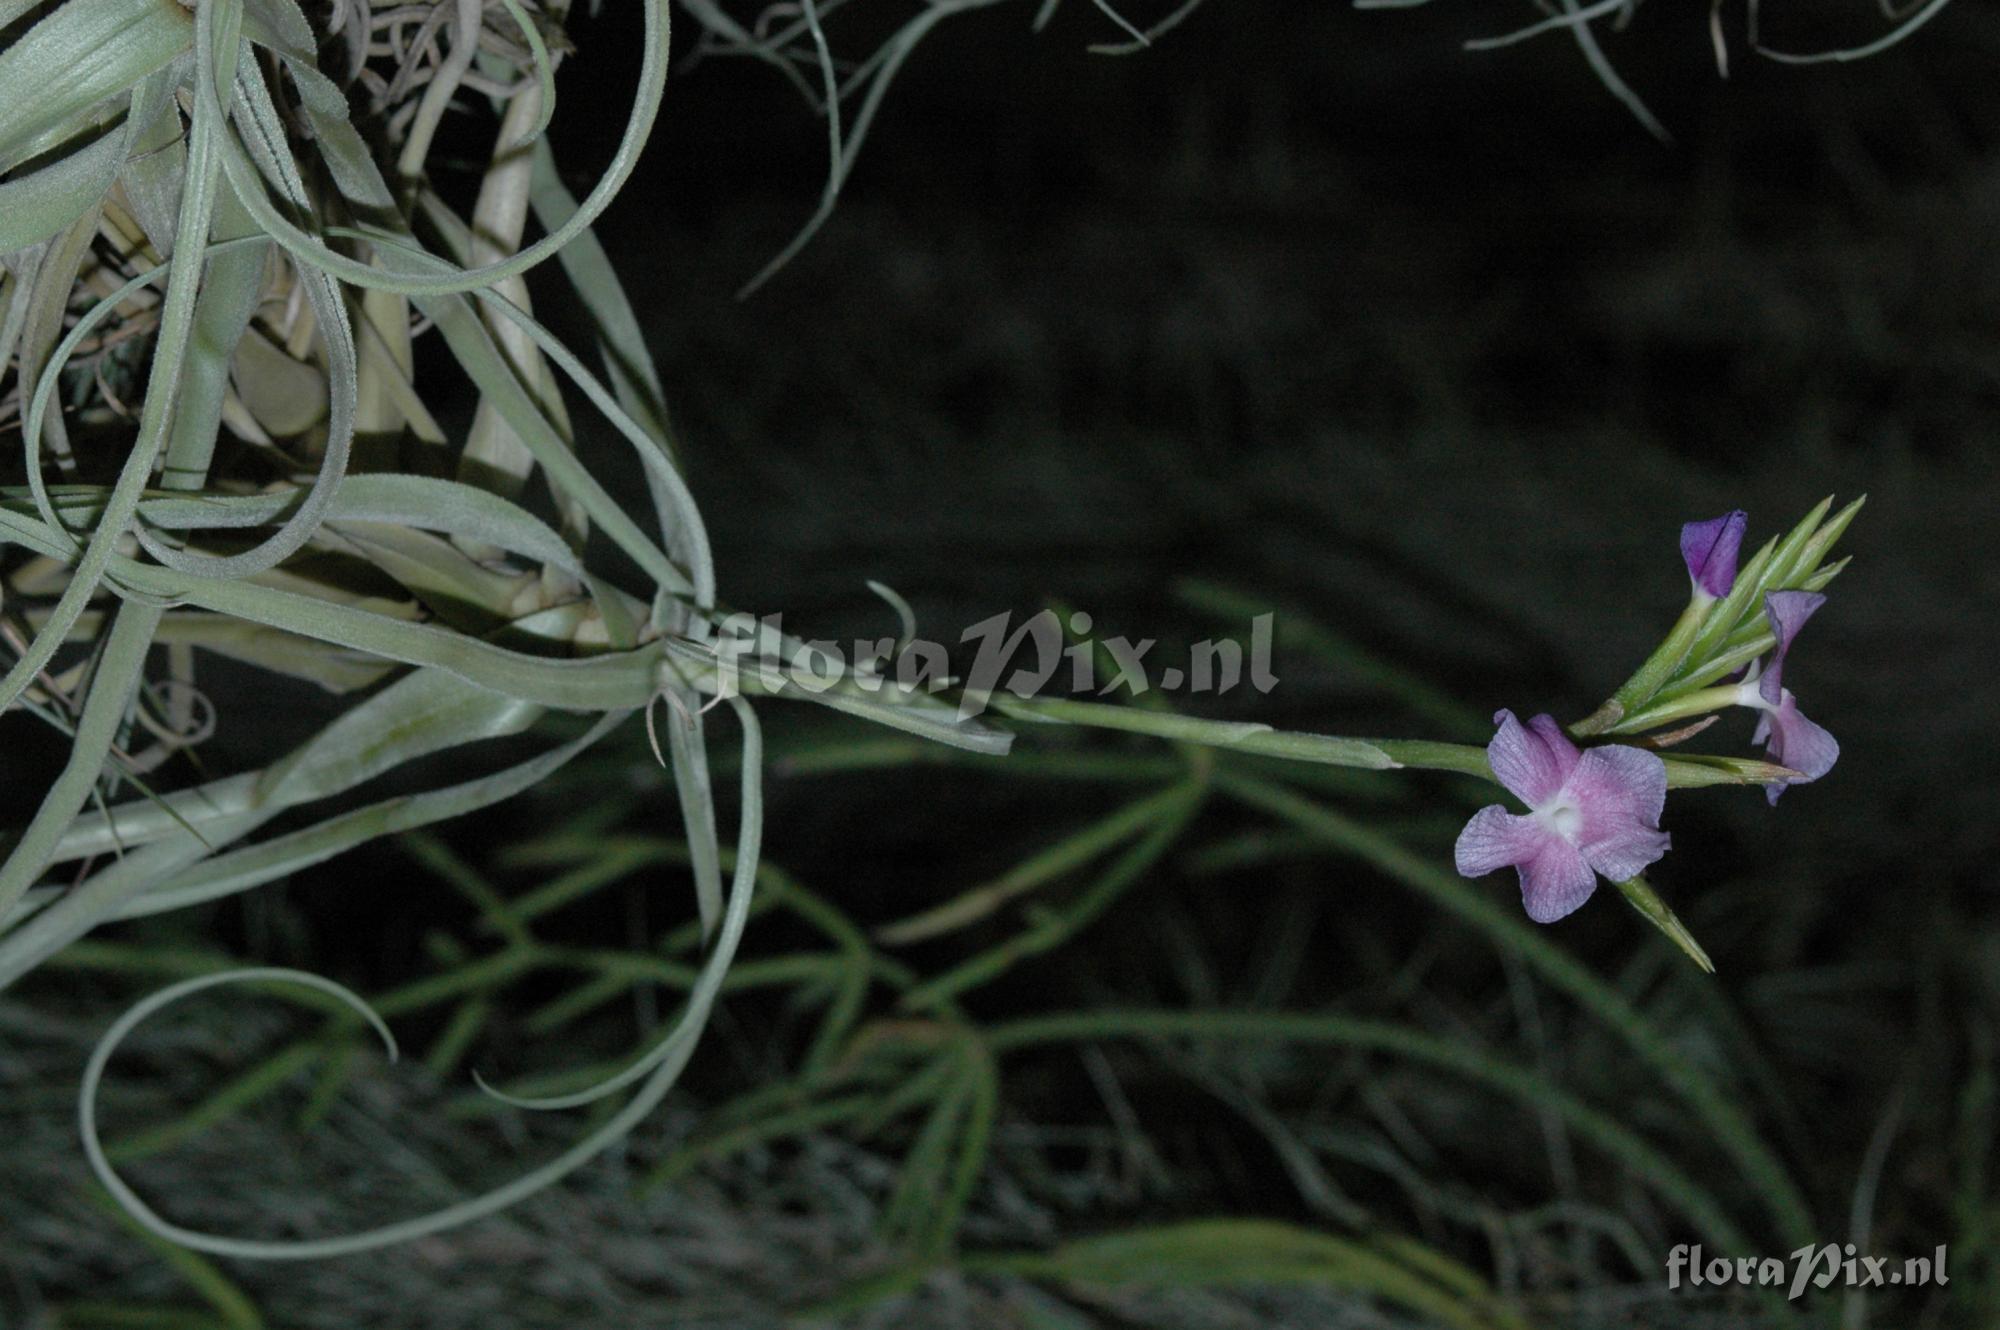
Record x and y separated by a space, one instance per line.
1709 549
1557 742
1620 792
1555 877
1532 764
1495 839
1788 612
1797 743
1556 881
1618 783
1627 851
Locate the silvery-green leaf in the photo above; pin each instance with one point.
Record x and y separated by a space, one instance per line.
285 395
102 47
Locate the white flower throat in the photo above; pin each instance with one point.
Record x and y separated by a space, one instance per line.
1749 695
1562 816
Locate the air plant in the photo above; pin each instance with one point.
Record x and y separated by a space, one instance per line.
215 273
221 241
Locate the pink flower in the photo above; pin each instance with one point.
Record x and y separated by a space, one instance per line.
1589 812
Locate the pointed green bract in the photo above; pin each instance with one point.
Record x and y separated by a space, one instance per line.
1648 903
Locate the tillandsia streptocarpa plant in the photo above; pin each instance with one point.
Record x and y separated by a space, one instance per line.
221 242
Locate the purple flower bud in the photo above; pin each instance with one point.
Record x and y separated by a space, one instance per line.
1709 549
1590 811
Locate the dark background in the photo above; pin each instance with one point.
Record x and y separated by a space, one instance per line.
1439 346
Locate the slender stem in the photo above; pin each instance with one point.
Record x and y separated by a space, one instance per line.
1429 755
1327 749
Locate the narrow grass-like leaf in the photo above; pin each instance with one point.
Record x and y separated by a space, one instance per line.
694 1018
655 1087
111 693
1530 1089
1731 1130
170 349
1037 870
282 856
424 713
1061 925
311 251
